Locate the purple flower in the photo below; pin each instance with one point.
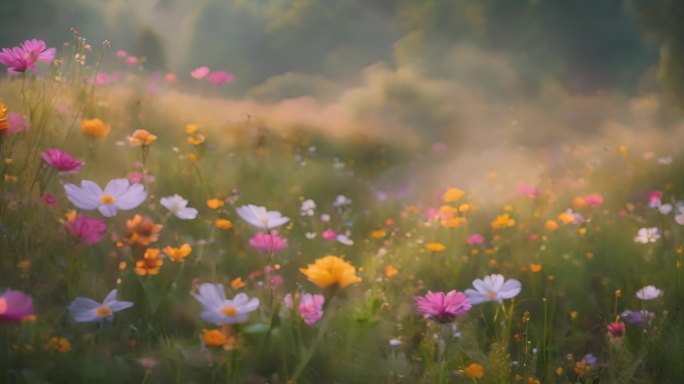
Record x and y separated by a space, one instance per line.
84 310
443 307
15 306
25 57
61 161
268 242
640 318
311 307
220 77
86 230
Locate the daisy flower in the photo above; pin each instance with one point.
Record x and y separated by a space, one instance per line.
221 311
179 207
260 217
493 288
118 194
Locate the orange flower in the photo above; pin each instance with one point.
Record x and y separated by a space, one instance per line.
551 225
150 264
474 371
218 339
452 194
566 218
59 344
178 254
331 270
196 140
223 224
453 222
215 203
435 247
534 267
503 221
378 234
95 128
237 283
143 231
390 271
4 123
191 128
141 137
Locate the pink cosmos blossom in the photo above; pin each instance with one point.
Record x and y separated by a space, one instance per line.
15 306
61 161
311 307
329 234
654 199
268 242
200 73
528 190
593 200
132 60
475 239
443 307
86 230
220 77
17 123
121 53
616 331
25 57
49 199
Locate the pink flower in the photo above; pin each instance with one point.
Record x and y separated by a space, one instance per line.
50 199
311 307
121 53
132 60
25 57
475 239
654 199
616 331
528 190
17 123
15 306
200 73
220 77
593 200
443 307
86 230
61 161
268 242
329 234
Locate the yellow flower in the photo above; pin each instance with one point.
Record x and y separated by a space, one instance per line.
474 371
141 137
566 218
331 270
143 231
551 225
178 254
196 140
452 194
215 203
503 221
237 283
150 264
223 224
390 271
95 128
378 234
59 344
191 128
435 247
453 222
465 207
4 123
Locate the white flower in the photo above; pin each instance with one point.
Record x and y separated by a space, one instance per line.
649 292
221 311
179 207
311 235
395 342
665 160
260 217
118 194
647 235
307 208
665 209
84 310
344 239
341 201
493 288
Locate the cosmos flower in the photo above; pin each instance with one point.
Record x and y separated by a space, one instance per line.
16 123
200 73
219 310
84 310
268 242
178 254
647 235
616 331
150 264
593 200
307 208
179 207
331 270
475 239
141 138
86 230
649 292
639 318
493 288
452 194
443 307
15 306
260 217
26 56
118 194
142 231
95 128
220 77
528 190
311 307
61 161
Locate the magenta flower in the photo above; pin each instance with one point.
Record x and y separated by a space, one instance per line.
268 242
311 307
220 77
61 161
593 200
200 73
528 190
86 230
475 239
15 306
616 331
17 123
329 234
443 307
25 57
50 199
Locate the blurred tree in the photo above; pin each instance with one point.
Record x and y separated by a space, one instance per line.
149 44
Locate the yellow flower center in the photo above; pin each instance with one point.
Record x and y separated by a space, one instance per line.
3 305
229 311
491 295
107 199
103 311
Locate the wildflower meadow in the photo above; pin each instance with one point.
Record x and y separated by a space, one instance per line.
155 230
